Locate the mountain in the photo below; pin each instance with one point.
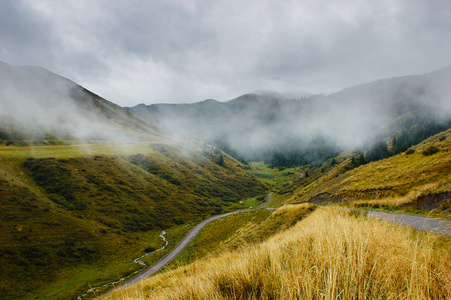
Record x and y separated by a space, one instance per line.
267 125
86 186
307 250
35 102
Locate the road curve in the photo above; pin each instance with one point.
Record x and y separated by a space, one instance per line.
438 226
178 249
268 199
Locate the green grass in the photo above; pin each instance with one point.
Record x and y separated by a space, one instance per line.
75 149
273 176
241 230
71 219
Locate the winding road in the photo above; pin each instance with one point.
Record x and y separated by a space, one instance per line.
178 249
434 225
184 243
267 201
438 226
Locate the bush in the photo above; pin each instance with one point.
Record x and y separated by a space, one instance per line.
179 221
410 151
430 150
149 249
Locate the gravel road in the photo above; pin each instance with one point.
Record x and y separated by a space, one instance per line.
438 226
178 249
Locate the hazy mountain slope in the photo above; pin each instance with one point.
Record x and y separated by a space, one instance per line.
417 179
85 187
35 102
256 126
61 215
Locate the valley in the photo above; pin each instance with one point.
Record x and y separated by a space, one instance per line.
86 213
250 193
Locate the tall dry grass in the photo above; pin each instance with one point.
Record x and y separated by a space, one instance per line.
329 255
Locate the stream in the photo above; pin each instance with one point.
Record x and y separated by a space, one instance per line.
136 261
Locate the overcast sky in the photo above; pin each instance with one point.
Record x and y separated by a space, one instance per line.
153 51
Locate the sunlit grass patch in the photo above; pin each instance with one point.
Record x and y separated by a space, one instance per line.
75 149
329 255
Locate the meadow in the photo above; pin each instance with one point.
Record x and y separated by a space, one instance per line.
75 215
331 254
414 181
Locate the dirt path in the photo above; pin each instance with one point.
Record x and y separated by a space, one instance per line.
438 226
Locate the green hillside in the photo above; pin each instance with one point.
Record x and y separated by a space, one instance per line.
308 251
78 220
418 179
86 186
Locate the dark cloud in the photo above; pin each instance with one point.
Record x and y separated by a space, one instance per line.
185 51
25 34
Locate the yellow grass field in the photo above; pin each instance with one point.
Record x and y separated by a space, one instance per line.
329 255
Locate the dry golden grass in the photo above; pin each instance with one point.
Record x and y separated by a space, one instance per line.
395 182
407 198
329 255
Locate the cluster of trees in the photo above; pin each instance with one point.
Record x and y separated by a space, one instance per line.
416 134
290 154
402 141
314 155
318 151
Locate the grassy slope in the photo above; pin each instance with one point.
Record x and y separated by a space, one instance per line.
242 230
329 255
410 181
76 219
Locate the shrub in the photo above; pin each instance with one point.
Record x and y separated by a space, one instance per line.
149 249
179 220
410 151
430 150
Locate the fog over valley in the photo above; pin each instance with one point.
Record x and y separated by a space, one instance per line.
218 149
264 125
256 125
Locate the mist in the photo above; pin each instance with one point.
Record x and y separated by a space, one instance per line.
258 123
264 125
37 104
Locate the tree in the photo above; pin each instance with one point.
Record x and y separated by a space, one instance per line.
377 152
221 160
333 162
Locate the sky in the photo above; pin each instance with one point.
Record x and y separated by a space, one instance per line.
183 51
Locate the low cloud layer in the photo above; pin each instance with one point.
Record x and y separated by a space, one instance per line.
353 118
134 52
35 102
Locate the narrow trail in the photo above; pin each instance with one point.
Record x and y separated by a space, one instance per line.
136 261
184 243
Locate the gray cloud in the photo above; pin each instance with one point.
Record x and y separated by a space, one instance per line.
184 51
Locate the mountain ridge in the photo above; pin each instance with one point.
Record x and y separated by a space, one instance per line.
256 127
36 100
